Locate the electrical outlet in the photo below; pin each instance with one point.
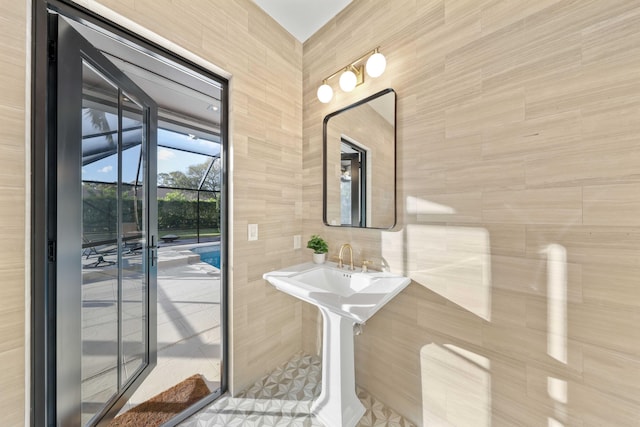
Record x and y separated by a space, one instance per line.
297 241
252 231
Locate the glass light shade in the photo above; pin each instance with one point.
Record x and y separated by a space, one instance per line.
376 65
348 81
325 93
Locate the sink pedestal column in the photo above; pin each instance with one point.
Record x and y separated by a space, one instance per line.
338 404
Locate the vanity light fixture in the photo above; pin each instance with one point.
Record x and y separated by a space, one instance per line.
352 75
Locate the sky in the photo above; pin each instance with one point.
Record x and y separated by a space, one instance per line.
169 158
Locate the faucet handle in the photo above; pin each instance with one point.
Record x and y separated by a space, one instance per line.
365 265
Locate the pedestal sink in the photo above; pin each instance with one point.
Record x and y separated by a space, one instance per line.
345 298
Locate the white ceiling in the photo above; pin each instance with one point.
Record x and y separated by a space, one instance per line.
302 18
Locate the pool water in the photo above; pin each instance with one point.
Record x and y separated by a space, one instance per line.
209 254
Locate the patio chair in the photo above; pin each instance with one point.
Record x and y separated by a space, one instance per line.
100 249
100 262
90 248
132 239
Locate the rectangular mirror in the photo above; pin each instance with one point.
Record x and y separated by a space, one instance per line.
360 163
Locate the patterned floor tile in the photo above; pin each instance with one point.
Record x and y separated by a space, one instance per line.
284 398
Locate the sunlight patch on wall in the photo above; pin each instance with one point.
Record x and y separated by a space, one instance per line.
557 389
557 302
418 206
454 262
456 386
552 422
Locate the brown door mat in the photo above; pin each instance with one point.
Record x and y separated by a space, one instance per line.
164 406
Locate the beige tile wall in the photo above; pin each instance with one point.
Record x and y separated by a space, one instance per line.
519 198
519 118
13 60
265 63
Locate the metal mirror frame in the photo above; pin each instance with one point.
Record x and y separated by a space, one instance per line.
395 157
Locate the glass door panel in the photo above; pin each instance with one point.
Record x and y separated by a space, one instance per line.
100 305
106 297
133 201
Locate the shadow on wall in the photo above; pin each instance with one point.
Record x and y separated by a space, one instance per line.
491 338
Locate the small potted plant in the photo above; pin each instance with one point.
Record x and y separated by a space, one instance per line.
320 248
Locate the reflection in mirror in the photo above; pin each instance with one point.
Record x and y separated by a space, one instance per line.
359 163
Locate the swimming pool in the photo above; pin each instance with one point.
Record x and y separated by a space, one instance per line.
209 254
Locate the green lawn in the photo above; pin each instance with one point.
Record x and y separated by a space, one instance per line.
191 233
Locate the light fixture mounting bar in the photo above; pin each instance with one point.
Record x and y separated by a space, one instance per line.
352 75
352 65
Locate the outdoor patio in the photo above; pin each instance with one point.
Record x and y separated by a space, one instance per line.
188 324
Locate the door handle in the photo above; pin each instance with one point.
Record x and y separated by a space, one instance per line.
153 253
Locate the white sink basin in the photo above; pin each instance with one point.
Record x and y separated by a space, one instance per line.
355 295
344 299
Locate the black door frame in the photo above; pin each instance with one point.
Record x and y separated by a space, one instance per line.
43 204
358 164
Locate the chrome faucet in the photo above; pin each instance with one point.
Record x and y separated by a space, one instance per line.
340 262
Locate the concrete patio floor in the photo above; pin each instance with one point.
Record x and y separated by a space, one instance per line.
188 325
